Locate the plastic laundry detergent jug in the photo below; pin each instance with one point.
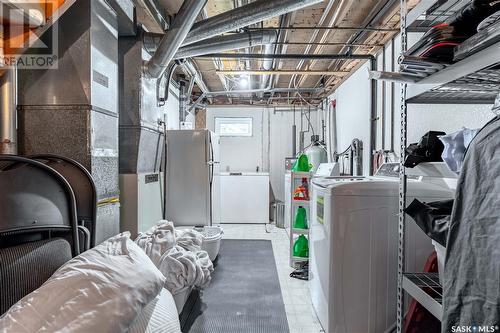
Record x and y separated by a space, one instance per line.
302 164
300 218
301 247
302 191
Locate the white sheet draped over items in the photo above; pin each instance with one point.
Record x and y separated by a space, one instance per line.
177 254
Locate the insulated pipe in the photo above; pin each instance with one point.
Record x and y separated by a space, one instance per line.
244 16
290 56
333 131
267 64
168 77
246 92
8 100
373 116
256 91
189 69
182 101
226 43
174 37
213 45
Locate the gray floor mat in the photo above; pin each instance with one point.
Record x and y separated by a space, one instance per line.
244 294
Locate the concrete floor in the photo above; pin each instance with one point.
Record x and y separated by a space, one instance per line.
299 310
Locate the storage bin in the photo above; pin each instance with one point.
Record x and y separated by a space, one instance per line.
212 236
279 214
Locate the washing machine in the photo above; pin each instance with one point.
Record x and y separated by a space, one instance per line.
353 248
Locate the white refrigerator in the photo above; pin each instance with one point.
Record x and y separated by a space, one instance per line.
193 178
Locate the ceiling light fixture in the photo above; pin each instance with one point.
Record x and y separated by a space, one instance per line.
244 82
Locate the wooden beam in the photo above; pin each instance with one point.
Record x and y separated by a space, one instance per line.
280 72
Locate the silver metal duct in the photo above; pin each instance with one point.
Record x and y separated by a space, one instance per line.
267 64
253 91
183 100
256 91
174 37
73 111
226 43
8 100
240 17
215 44
189 68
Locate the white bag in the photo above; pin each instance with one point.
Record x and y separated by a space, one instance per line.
455 145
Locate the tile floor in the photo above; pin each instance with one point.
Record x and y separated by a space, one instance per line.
299 310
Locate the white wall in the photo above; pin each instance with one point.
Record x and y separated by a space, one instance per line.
240 154
353 113
280 145
270 144
446 118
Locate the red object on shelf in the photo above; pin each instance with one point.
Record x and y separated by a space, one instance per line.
302 192
418 319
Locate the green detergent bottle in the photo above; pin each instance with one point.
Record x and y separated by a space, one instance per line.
300 218
302 164
301 247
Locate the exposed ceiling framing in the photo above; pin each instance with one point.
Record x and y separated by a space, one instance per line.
332 27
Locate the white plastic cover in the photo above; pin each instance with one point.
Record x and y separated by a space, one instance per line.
101 290
455 145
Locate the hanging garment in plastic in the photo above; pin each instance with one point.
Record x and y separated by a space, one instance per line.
455 145
432 218
301 247
471 289
496 106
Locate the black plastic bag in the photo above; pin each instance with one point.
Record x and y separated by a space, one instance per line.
468 18
428 149
432 218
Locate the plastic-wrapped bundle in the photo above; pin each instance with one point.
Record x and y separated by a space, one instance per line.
455 145
433 218
428 149
466 21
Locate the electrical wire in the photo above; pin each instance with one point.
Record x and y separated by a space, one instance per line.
344 152
307 103
309 121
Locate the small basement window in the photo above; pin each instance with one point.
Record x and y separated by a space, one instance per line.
233 126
